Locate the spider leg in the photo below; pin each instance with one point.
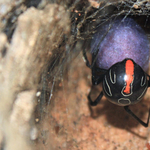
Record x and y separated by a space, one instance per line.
97 100
138 119
86 59
97 75
97 79
94 58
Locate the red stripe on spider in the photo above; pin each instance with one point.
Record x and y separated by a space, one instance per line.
129 70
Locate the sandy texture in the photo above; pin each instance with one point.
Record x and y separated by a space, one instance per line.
71 124
21 64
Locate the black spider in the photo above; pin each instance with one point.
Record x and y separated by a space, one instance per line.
119 86
116 48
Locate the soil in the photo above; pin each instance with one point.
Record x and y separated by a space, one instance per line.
72 124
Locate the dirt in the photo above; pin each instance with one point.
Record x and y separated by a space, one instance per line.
72 124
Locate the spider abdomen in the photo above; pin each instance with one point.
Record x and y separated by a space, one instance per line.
125 83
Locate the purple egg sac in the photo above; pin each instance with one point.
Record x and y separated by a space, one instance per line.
125 39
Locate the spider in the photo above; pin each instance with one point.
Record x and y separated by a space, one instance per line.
120 63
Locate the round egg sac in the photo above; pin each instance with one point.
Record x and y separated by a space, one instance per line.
119 39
